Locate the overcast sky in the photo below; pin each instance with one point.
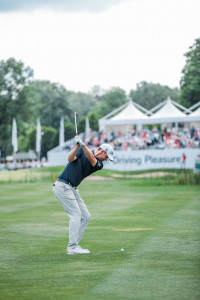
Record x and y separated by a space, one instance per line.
82 43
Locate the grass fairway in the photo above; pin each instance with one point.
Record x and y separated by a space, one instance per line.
158 226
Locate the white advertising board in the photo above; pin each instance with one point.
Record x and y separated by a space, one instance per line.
138 159
152 159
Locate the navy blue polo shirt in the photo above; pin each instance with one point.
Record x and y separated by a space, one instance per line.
80 168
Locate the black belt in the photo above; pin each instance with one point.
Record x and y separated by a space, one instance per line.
67 182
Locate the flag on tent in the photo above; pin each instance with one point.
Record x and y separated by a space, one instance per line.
87 129
14 136
62 132
38 137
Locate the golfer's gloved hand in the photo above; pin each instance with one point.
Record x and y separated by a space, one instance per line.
80 141
76 139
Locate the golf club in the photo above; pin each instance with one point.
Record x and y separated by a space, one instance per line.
75 117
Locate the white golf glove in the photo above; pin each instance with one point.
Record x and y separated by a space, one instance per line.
80 141
76 139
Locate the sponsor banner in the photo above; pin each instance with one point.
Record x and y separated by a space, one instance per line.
136 160
152 159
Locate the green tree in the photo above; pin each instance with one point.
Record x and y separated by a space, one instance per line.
111 100
69 133
97 92
51 103
14 81
81 125
48 139
93 119
82 103
149 95
190 81
23 143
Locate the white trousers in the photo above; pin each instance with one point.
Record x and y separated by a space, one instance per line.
75 208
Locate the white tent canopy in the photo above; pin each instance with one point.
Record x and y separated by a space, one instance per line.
166 112
169 113
194 116
130 112
129 115
195 113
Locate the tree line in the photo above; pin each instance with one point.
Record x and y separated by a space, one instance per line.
27 99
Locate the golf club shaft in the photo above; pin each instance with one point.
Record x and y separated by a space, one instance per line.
75 114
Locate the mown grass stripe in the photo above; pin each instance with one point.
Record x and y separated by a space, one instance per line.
34 264
163 266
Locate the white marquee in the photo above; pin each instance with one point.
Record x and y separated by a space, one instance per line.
167 112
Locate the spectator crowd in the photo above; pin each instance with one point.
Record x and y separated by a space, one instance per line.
169 138
21 164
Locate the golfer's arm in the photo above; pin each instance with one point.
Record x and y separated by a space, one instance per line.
72 153
90 156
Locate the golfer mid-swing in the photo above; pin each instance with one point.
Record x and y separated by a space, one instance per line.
82 163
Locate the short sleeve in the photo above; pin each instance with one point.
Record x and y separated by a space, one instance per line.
99 165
